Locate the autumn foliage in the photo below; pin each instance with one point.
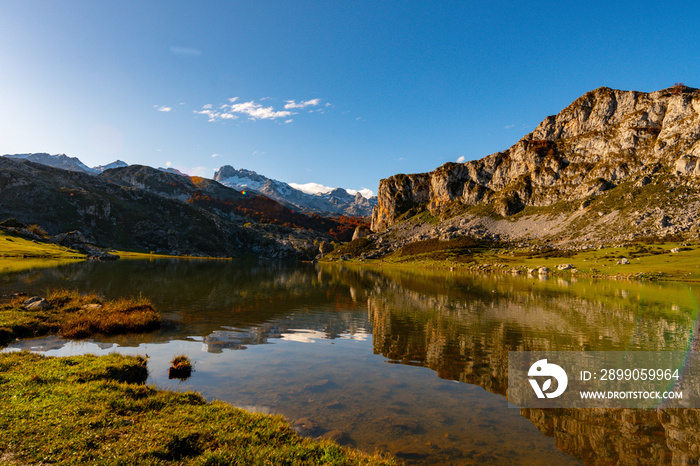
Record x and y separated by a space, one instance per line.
265 210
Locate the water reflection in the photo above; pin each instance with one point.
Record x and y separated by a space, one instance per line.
317 340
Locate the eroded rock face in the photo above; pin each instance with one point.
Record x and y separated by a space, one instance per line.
604 138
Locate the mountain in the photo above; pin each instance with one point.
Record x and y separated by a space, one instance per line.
66 163
611 167
338 201
57 161
141 208
115 164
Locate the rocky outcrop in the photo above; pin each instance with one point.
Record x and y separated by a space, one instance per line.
605 140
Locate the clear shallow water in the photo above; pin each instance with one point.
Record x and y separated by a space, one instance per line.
414 363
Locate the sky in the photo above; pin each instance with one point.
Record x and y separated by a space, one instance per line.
332 93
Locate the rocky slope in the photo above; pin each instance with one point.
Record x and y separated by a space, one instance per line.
140 208
612 166
338 201
58 161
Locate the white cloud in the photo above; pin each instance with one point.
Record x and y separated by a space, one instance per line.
168 163
212 115
255 111
185 51
292 104
215 155
233 109
366 193
461 159
311 188
164 109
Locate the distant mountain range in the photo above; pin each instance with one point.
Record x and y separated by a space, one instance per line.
145 209
66 163
337 202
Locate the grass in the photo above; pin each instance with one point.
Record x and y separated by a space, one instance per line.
12 245
75 315
648 259
180 368
96 410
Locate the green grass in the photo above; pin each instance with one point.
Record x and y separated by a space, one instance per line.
15 246
96 410
353 248
74 315
654 261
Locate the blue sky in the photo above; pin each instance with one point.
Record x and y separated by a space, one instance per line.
336 93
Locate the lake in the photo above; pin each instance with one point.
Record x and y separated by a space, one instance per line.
411 362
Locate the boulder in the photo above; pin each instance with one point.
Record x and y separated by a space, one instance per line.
361 231
325 247
36 303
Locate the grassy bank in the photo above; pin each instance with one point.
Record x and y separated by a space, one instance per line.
74 315
647 260
15 246
96 410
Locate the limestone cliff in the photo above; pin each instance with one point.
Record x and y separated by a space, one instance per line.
604 140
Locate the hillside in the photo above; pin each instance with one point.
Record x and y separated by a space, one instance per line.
613 166
142 210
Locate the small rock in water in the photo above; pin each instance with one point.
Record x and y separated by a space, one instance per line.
402 423
320 386
305 426
339 437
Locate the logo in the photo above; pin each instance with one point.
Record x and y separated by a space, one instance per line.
543 369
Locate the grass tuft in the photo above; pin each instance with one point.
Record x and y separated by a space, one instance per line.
180 368
76 315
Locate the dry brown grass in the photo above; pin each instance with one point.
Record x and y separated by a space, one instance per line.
76 315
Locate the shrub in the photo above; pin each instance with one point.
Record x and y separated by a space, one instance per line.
678 88
37 230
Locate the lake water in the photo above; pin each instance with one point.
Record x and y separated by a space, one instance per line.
408 362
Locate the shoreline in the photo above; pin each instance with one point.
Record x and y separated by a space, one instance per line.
89 408
678 262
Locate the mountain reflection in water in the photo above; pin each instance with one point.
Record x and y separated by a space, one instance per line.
459 326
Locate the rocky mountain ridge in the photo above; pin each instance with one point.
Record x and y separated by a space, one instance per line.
141 208
336 202
613 165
